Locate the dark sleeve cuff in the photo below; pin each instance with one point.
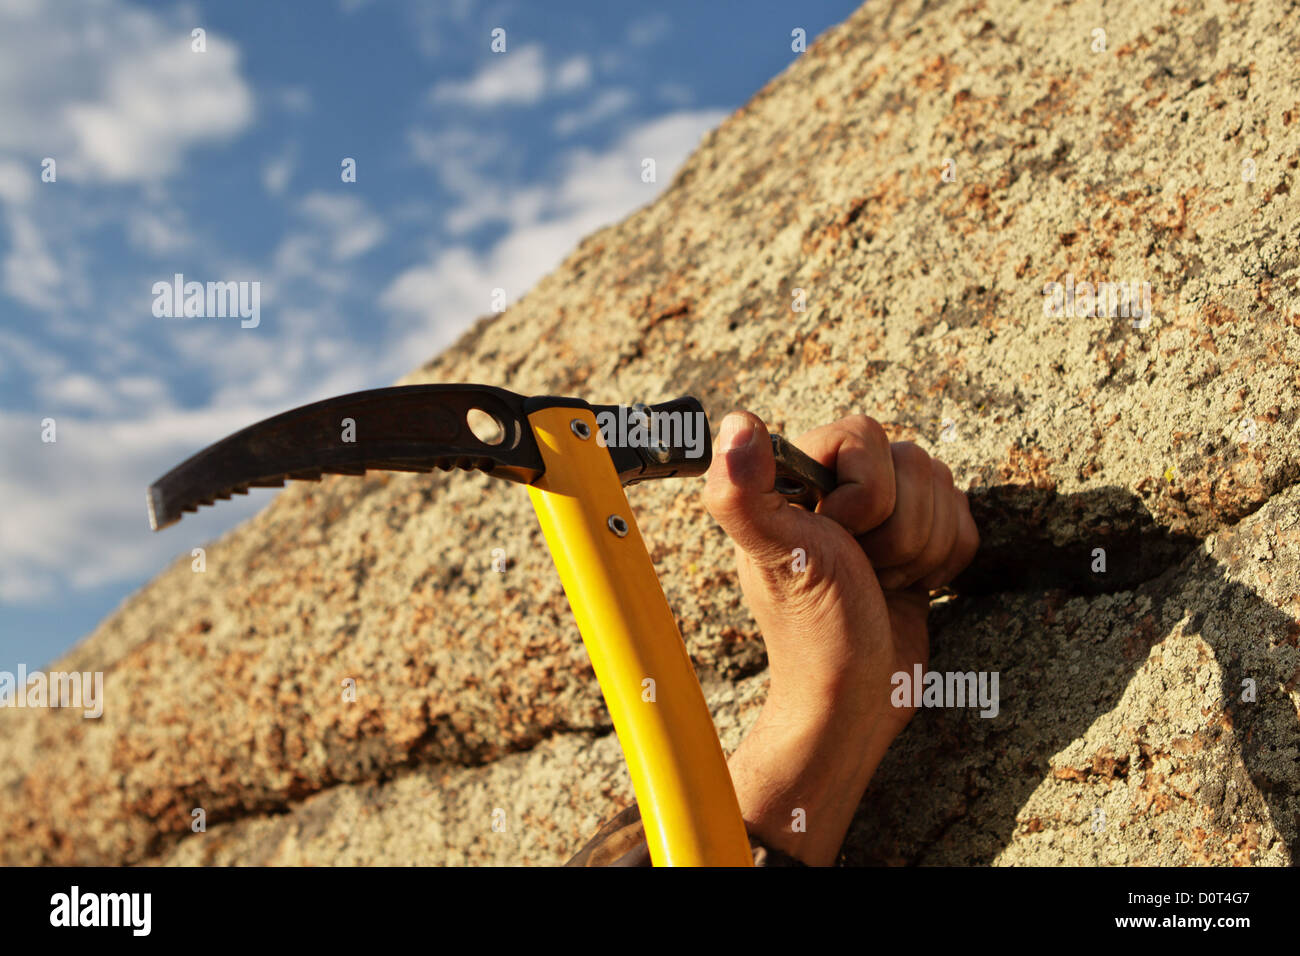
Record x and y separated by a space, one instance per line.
621 842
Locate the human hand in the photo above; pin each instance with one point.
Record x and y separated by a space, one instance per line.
841 597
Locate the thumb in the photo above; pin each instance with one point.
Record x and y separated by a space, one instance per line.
740 494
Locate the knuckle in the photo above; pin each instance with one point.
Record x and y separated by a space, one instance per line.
721 498
942 473
911 542
870 430
857 424
911 460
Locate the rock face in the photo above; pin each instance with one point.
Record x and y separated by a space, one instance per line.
921 174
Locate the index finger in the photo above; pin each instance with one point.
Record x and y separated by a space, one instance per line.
857 449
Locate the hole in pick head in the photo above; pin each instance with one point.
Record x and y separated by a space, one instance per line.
485 426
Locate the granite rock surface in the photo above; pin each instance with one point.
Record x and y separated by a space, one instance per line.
874 231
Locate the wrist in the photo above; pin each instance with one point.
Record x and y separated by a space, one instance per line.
844 706
799 781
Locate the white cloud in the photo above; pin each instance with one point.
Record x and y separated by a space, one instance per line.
295 99
517 77
114 94
648 30
606 104
332 230
17 181
111 91
104 397
610 181
276 173
31 274
39 361
440 298
351 228
75 511
461 157
75 390
157 105
106 90
19 586
302 255
159 231
573 74
431 24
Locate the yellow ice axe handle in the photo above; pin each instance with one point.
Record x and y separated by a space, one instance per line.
679 772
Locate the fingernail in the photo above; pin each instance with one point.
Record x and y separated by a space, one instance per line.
737 431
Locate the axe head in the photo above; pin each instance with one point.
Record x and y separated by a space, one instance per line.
410 428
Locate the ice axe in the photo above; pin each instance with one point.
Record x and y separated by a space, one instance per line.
574 458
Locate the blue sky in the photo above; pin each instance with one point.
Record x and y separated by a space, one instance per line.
475 170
